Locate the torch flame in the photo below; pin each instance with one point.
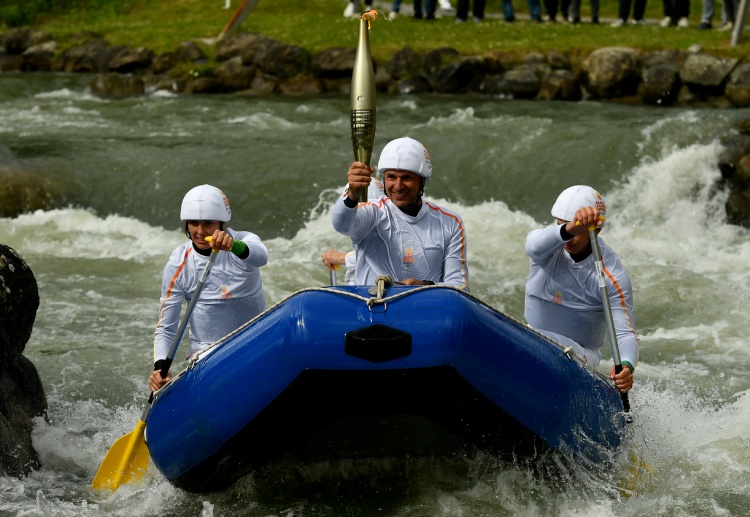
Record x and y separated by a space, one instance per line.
370 16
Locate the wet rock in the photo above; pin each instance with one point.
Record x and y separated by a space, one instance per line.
738 87
705 74
301 85
22 395
190 52
405 63
413 85
38 58
436 60
129 60
117 86
522 83
90 57
283 61
560 85
613 72
458 77
334 63
234 75
23 191
660 84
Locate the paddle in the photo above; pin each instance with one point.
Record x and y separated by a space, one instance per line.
607 309
127 459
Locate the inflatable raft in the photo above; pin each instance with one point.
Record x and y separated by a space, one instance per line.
340 372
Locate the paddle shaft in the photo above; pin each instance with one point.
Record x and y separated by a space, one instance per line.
607 309
183 325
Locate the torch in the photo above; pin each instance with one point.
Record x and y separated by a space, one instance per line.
363 98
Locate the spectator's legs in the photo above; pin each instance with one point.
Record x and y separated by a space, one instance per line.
417 9
564 8
708 11
575 11
639 9
478 9
624 10
462 10
508 14
551 7
594 11
396 7
429 9
535 10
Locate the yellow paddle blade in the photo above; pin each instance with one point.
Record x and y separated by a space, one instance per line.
126 460
638 476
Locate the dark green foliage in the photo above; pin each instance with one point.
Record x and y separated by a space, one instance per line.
14 13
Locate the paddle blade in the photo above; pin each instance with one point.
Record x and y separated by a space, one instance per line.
126 460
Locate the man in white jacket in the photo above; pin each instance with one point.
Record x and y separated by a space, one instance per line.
563 298
413 241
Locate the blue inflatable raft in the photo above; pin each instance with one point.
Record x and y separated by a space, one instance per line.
336 372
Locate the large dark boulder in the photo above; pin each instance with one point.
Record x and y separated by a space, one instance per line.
22 395
560 85
613 72
131 59
23 191
283 61
90 57
738 87
705 74
458 77
335 62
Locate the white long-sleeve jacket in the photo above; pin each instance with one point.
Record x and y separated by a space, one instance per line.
231 296
563 296
429 246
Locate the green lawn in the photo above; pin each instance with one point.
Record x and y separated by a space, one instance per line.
319 24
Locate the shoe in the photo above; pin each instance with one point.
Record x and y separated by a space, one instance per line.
459 20
683 23
618 23
575 21
349 11
726 27
392 15
595 21
666 22
637 22
702 26
510 19
476 19
549 19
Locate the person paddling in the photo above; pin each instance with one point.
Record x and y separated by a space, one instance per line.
563 297
233 293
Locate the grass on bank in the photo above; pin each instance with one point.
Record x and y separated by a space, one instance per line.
318 24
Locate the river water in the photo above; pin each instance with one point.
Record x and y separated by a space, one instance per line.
121 168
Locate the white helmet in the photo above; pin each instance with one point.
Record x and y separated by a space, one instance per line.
406 154
205 203
575 197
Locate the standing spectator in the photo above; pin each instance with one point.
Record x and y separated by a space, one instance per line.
351 8
551 7
676 13
639 8
575 11
429 9
729 14
462 10
706 15
535 11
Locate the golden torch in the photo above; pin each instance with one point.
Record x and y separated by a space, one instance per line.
363 98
